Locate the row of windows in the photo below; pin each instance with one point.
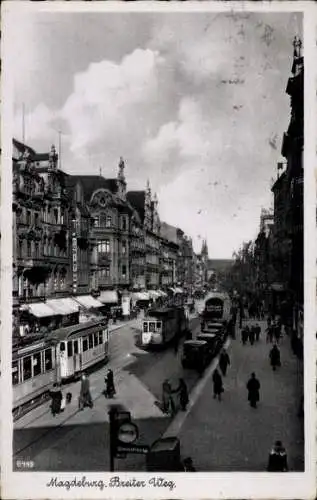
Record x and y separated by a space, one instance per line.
52 216
103 246
89 342
31 366
34 249
151 326
108 221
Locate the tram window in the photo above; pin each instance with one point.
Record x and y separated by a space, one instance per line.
69 349
90 341
152 326
75 346
48 359
15 373
62 346
145 327
27 368
96 339
100 337
36 364
159 324
85 344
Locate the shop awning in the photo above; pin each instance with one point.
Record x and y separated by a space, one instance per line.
154 294
108 297
141 296
40 310
88 301
172 289
162 294
63 306
178 290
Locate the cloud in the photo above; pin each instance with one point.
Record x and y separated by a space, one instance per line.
39 125
109 99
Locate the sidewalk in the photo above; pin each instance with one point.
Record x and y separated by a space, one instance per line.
229 435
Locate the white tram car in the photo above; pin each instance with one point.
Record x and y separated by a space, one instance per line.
68 352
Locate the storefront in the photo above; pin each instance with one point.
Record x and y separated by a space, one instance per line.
89 307
37 318
67 309
111 303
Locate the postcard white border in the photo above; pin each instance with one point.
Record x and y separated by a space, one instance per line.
198 485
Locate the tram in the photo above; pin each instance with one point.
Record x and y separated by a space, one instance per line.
216 312
162 325
66 353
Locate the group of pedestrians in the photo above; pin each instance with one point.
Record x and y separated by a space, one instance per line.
250 334
59 401
170 396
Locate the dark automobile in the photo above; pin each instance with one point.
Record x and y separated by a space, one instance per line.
195 354
214 342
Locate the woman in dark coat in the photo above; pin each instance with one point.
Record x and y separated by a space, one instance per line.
56 396
224 361
252 334
183 395
275 357
85 398
218 386
253 387
245 335
110 389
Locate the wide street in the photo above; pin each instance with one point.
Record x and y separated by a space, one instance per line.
219 436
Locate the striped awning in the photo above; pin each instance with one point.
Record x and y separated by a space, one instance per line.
108 297
88 302
64 306
40 310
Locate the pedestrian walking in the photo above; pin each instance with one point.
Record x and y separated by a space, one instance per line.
85 398
277 331
167 398
245 335
224 362
269 334
275 357
110 388
57 397
218 386
257 331
277 458
253 387
252 335
183 394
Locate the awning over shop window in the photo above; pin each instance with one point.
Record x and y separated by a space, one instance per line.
108 297
173 290
63 306
141 296
154 294
88 301
162 294
178 290
40 310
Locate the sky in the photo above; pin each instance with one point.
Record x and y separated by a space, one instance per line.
194 102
